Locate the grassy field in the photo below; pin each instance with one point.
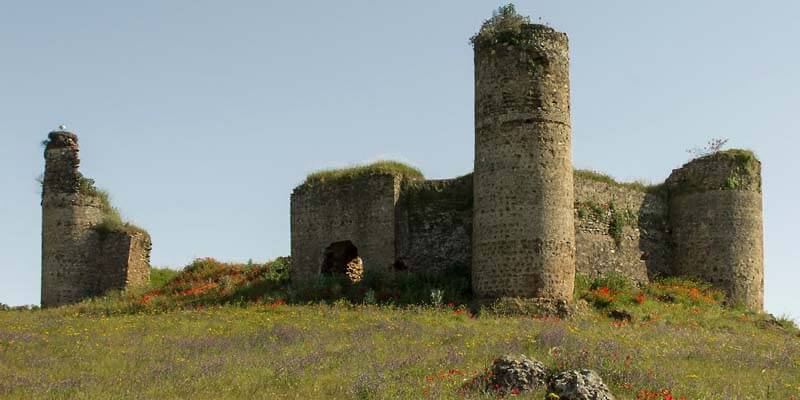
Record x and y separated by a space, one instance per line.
680 343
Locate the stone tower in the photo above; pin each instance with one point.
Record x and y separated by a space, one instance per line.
82 256
523 233
715 212
67 217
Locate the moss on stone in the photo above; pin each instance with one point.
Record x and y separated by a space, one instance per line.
447 195
395 168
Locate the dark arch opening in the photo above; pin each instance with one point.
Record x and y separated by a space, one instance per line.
341 258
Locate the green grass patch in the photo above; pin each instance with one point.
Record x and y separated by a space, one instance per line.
395 168
686 346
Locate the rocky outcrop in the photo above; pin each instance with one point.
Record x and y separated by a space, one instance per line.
579 385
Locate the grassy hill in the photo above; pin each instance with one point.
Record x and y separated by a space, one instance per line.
223 331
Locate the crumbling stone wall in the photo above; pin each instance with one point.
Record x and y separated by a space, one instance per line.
75 256
715 210
523 238
621 230
434 225
124 259
523 221
360 210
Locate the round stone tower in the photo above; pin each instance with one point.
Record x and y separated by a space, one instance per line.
68 265
715 212
523 233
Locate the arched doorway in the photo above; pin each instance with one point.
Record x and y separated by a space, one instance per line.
341 258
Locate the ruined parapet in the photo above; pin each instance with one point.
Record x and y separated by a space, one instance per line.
75 255
434 226
341 215
523 233
715 208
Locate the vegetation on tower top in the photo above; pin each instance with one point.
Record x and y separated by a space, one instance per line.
504 27
396 168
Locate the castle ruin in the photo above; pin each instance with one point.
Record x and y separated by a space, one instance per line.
86 248
524 223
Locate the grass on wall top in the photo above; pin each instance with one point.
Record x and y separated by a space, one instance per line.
382 167
743 158
112 220
607 179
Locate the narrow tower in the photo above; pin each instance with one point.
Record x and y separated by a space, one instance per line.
715 213
68 265
523 233
86 247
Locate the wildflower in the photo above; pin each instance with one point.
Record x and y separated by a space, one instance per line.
640 298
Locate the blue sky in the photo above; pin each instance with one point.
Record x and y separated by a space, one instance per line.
200 117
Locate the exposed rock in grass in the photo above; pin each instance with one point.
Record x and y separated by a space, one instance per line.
516 373
579 385
355 270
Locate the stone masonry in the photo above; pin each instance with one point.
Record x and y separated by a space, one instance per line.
525 223
523 240
78 260
715 211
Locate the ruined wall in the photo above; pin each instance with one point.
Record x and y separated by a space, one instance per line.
434 225
620 229
523 233
361 210
75 255
716 220
124 259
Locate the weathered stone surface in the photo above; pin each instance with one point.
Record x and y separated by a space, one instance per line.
579 385
523 226
124 260
515 373
717 224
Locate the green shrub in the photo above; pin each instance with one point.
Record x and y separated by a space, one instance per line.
504 27
160 277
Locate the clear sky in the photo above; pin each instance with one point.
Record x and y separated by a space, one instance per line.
201 116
